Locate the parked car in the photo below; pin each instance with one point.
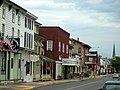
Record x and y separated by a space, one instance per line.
111 85
116 75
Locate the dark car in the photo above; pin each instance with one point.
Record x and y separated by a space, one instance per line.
111 85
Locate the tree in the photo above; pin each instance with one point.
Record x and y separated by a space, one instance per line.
116 63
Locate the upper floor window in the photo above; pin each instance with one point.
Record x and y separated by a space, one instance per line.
49 45
79 50
13 16
32 25
3 29
19 19
63 47
59 46
12 32
3 12
29 23
28 40
67 49
18 33
25 22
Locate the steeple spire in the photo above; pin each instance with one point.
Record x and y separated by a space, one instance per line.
113 51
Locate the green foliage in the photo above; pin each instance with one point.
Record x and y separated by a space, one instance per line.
86 75
116 64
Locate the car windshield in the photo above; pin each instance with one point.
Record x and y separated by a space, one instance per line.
112 86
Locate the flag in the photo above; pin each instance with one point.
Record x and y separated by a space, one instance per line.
7 41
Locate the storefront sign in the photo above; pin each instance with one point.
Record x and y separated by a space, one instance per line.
70 62
34 58
15 42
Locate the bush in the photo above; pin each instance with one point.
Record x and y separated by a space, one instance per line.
86 75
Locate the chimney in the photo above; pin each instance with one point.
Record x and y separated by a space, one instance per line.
78 39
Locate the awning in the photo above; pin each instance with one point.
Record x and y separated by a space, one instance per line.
59 62
47 59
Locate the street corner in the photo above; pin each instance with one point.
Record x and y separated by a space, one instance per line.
28 88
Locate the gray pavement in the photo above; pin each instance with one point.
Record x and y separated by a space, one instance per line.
31 85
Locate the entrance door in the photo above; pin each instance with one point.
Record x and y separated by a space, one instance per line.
8 75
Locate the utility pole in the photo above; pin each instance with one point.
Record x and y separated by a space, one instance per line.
113 56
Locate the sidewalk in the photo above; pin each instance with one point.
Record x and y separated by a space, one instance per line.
31 85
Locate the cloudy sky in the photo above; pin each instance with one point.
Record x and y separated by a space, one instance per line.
95 22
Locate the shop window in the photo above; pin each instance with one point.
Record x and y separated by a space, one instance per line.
11 62
3 64
27 67
19 65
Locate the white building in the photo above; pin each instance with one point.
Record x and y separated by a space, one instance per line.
16 22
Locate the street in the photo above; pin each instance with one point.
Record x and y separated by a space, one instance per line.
90 84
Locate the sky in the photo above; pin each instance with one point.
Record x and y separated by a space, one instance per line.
94 22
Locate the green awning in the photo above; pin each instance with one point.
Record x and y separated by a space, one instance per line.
47 59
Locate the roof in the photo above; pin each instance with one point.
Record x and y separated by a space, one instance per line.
10 2
19 8
55 27
81 43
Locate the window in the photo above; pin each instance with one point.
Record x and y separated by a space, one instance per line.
32 25
3 12
29 23
67 49
25 34
79 50
11 62
27 67
59 46
31 36
13 16
19 19
18 33
19 65
28 40
63 47
3 29
25 22
49 45
12 32
90 59
3 63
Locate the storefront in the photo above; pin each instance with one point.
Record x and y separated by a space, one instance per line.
59 70
10 60
47 68
36 67
71 68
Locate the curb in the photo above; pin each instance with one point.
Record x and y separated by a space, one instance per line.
26 89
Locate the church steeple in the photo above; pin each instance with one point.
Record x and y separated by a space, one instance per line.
113 51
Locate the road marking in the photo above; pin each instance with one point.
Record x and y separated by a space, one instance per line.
79 86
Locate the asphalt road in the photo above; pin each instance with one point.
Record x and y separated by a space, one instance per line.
90 84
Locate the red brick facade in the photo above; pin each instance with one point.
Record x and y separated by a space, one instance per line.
56 34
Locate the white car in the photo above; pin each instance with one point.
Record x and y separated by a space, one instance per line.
116 75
